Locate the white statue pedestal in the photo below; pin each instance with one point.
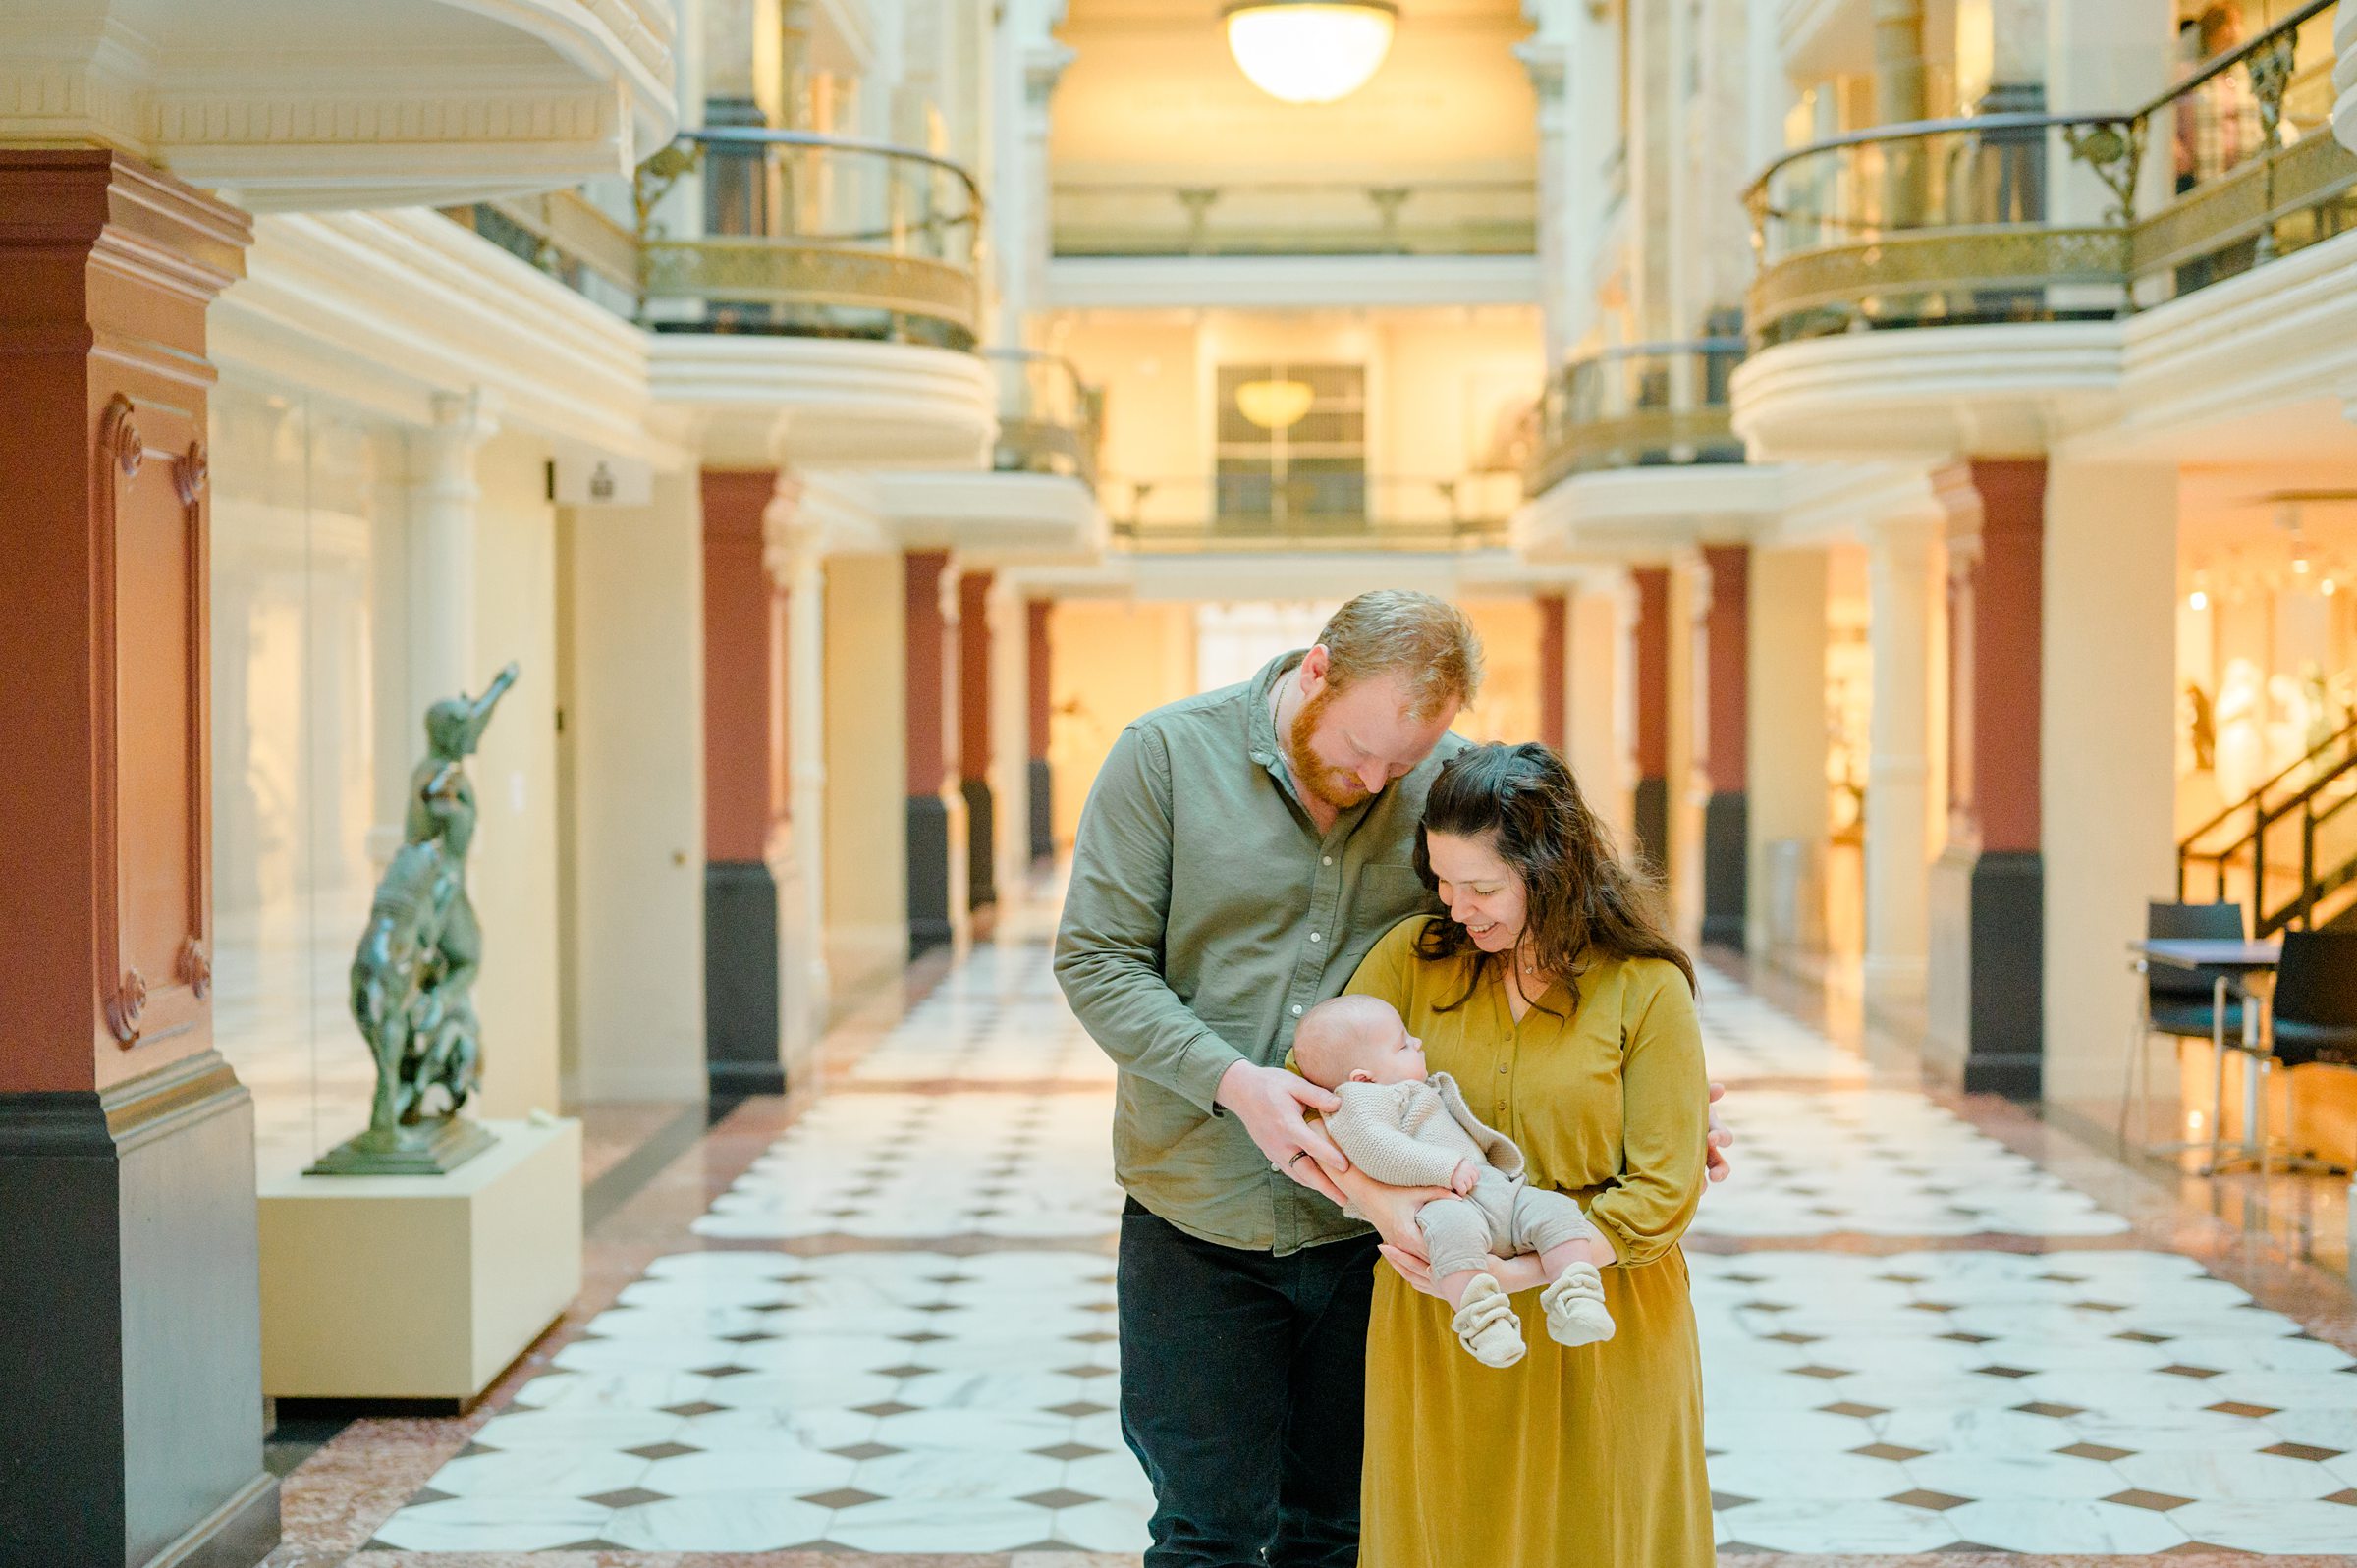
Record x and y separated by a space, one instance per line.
421 1287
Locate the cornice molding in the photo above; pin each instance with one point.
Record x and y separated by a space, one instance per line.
814 403
386 310
578 88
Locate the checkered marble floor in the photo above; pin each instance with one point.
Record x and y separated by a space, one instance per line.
900 1339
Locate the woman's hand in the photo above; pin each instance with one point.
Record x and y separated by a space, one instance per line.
1716 1164
1513 1275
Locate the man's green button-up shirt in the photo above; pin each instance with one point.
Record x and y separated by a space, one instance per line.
1205 915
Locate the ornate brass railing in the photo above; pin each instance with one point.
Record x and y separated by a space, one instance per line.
1644 405
1050 420
1329 510
568 236
812 235
1949 221
1441 217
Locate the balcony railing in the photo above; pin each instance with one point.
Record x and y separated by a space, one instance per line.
1947 222
1327 511
569 237
1050 420
812 235
1649 404
1463 217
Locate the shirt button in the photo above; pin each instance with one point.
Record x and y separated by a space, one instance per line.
1315 937
1501 1066
1297 1011
1327 860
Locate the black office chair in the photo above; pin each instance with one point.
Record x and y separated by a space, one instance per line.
2181 1004
2312 1023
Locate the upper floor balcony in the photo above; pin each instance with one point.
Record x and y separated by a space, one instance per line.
2055 226
814 299
1344 509
1050 420
1953 222
1296 217
1643 405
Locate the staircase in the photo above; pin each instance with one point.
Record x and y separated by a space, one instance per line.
2288 852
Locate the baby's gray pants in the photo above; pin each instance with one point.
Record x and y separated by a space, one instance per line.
1501 1216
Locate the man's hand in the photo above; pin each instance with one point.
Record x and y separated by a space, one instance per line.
1716 1164
1269 1102
1392 1210
1461 1179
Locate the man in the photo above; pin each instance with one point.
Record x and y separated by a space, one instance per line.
1241 852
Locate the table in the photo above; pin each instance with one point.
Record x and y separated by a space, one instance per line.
2242 962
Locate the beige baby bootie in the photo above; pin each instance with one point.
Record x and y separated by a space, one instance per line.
1575 1310
1486 1324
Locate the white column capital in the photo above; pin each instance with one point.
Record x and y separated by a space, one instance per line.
470 416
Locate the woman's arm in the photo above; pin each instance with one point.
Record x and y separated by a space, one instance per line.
1664 1123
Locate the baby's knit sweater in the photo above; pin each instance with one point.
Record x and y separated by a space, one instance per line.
1413 1134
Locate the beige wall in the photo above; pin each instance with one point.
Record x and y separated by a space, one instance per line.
1785 718
1111 661
512 870
1509 706
2106 799
1596 689
633 746
1158 97
867 777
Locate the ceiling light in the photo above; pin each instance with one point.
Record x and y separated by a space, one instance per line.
1274 404
2199 600
1309 51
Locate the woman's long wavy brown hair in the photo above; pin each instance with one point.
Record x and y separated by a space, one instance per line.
1582 899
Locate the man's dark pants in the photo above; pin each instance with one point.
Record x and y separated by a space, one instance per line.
1243 1394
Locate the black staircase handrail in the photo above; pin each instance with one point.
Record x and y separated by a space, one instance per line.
2301 907
2346 736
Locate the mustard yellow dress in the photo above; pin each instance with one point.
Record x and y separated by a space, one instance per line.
1589 1457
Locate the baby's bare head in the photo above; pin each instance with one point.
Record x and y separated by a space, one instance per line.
1356 1037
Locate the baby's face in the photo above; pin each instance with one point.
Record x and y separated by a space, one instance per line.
1388 1054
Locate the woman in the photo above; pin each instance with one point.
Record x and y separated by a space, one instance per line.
1566 1016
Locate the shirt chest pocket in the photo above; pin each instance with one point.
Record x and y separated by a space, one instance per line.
1385 891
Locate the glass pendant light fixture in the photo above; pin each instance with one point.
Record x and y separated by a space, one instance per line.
1274 404
1310 51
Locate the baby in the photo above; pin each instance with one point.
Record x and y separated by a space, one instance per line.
1407 1129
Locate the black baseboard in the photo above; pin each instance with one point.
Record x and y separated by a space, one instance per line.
1725 868
1043 810
129 1275
744 1007
981 844
2005 1044
1653 824
929 923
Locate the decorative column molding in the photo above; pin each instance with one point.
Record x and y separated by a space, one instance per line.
1009 730
806 747
134 1384
444 541
1899 766
977 624
1548 62
746 1033
1986 997
1555 615
1650 662
1725 696
1040 709
935 812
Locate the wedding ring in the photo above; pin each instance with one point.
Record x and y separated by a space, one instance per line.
1298 1154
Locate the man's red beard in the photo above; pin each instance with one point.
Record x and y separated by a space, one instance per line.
1338 787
